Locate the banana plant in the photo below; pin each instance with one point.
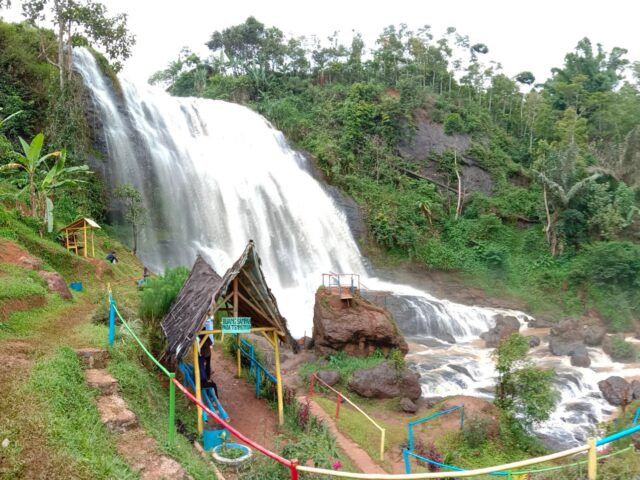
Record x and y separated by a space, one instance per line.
30 161
58 176
3 121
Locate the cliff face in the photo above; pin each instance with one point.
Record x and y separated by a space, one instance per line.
357 327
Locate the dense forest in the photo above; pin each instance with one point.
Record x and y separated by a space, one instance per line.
558 226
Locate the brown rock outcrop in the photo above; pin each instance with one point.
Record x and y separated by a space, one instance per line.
357 327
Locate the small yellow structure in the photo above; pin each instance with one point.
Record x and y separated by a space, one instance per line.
78 236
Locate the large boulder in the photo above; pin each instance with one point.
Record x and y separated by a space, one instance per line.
580 357
616 390
330 377
55 283
566 337
358 328
635 389
593 335
407 405
505 327
384 381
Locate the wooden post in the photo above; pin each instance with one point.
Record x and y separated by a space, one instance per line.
279 379
592 459
85 239
66 238
235 314
198 392
338 400
93 248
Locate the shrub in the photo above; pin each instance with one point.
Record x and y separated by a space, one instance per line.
621 350
429 451
476 431
453 124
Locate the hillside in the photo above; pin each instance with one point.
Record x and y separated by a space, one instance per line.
527 189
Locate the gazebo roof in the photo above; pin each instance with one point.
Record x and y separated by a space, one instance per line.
80 224
204 288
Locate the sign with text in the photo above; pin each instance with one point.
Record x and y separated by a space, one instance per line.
236 324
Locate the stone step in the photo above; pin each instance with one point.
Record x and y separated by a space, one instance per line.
115 414
102 380
93 357
143 455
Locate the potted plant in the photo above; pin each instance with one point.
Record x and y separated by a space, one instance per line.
232 454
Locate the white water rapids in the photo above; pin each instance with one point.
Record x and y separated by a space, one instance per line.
215 175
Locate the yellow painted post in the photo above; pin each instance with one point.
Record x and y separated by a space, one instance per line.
85 239
198 392
382 432
235 314
93 248
279 379
592 459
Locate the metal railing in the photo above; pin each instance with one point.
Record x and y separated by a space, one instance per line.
256 367
410 425
341 280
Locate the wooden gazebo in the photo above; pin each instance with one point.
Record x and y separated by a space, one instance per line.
242 294
78 236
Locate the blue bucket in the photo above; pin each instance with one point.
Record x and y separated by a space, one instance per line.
213 438
77 286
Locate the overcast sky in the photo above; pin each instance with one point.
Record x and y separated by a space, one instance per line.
533 35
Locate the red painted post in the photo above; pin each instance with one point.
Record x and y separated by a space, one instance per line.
294 469
338 405
313 381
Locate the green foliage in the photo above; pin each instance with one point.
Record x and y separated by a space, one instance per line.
73 422
523 391
343 364
158 294
19 283
621 350
476 431
134 211
453 124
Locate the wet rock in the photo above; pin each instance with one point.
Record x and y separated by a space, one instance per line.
407 405
461 369
607 346
539 323
384 381
580 357
635 389
358 328
534 341
505 327
55 283
616 390
566 337
330 377
593 335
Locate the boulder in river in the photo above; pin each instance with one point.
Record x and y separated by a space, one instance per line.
384 381
505 327
357 327
616 390
593 335
534 341
580 357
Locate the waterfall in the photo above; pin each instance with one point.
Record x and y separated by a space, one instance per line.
214 175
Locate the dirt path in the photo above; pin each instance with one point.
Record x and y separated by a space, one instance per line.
251 416
361 459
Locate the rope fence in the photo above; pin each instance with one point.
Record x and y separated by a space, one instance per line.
341 396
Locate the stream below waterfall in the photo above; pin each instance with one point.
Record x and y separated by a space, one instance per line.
214 175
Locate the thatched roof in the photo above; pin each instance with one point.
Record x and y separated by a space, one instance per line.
204 288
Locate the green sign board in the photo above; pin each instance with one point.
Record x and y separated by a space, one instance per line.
236 324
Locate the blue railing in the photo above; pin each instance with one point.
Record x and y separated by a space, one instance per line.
209 394
437 414
256 368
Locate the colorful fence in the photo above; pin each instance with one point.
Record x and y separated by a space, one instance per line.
511 470
410 425
340 397
113 312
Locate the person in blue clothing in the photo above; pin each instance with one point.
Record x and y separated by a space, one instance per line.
204 363
111 257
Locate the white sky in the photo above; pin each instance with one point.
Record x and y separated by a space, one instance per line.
532 35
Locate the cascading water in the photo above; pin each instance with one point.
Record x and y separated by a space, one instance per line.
214 175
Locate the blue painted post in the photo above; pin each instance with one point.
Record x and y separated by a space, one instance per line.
635 418
258 375
410 437
407 463
462 417
112 320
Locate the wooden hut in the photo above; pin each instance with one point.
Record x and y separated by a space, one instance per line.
78 236
241 293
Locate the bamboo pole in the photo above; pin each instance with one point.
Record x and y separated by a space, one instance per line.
235 314
592 459
198 392
93 245
84 229
279 379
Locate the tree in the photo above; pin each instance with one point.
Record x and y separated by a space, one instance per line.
526 78
524 392
134 212
30 161
82 18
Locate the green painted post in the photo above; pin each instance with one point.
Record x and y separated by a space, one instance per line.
172 409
